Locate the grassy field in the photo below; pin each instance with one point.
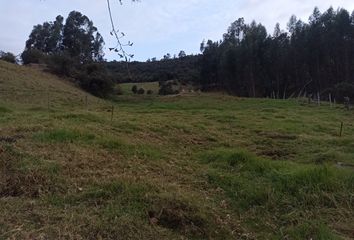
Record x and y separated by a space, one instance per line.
192 167
127 87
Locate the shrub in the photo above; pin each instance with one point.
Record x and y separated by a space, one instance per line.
33 56
166 88
62 64
135 89
150 92
343 90
141 91
118 90
94 79
8 57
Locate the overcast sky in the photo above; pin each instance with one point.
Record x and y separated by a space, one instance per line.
156 27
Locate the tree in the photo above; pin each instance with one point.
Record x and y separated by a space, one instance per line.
141 91
78 37
8 57
182 54
94 79
311 57
209 65
81 38
235 32
167 56
46 37
135 89
32 55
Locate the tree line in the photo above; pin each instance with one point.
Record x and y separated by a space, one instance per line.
307 59
185 68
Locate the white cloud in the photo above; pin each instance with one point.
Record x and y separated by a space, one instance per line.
155 26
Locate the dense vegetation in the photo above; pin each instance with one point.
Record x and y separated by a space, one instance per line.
8 57
184 68
77 38
309 58
71 49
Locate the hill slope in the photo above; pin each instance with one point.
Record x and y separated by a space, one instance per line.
32 86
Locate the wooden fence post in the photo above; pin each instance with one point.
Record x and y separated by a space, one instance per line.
86 103
112 114
48 100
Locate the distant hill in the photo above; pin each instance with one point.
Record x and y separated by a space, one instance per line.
33 86
186 69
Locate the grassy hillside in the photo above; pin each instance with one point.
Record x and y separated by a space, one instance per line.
30 86
196 167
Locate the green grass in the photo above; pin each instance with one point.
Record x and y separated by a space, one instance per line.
4 110
208 166
127 87
273 189
63 135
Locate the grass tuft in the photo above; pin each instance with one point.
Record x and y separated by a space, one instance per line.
24 175
279 188
63 136
4 110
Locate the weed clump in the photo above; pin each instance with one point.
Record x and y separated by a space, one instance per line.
135 89
4 110
22 175
178 215
63 136
141 91
279 188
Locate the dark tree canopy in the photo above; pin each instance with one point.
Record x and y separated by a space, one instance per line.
81 38
309 58
182 54
184 69
47 37
78 37
8 57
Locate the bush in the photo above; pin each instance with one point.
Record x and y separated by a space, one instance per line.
94 79
166 88
141 91
135 89
343 90
62 64
150 92
33 56
118 90
8 57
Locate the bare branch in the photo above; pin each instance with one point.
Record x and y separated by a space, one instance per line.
120 47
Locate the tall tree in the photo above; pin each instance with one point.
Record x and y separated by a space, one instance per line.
46 37
81 38
314 57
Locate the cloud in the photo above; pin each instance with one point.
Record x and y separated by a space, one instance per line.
156 27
